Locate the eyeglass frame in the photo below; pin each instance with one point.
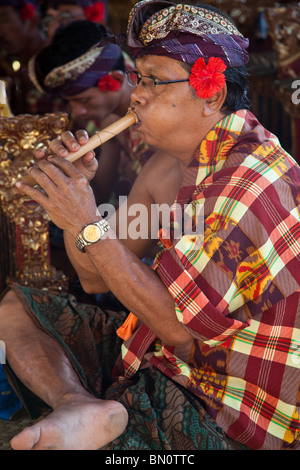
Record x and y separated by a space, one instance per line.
154 80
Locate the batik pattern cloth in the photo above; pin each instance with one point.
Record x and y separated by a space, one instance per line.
235 279
162 415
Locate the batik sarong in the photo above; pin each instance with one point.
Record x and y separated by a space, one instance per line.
162 415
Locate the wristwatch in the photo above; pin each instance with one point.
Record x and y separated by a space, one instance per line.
91 233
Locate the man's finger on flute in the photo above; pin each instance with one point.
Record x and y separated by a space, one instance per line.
68 143
86 165
58 168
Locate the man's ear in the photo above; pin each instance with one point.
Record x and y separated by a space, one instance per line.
118 75
213 104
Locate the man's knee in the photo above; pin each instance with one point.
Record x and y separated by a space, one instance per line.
9 299
10 307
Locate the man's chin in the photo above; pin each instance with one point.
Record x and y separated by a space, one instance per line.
148 139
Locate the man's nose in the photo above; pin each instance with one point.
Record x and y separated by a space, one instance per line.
139 96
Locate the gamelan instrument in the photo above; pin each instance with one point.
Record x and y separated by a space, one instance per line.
96 140
25 256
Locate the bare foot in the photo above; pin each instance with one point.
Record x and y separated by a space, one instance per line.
84 425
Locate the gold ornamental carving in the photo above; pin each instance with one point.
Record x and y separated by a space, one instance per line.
25 247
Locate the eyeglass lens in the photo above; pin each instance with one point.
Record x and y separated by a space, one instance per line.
132 78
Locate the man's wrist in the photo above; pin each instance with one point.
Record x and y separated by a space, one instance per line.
91 233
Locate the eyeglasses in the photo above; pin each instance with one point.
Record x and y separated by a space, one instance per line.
134 78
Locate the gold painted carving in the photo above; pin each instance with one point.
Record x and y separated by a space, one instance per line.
25 251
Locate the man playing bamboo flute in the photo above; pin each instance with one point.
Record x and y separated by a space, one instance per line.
209 356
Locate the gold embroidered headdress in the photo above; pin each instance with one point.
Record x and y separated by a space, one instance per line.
77 73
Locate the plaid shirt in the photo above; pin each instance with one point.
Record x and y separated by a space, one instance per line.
236 286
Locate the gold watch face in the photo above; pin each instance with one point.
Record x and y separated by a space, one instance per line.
91 233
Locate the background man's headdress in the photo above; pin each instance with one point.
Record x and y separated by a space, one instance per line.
77 74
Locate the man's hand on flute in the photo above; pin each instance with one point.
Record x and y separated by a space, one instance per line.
63 191
84 146
68 143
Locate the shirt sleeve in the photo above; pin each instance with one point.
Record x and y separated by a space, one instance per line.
203 319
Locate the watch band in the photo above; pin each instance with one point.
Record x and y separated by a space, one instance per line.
81 243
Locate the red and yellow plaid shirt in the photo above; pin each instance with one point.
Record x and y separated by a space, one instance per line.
236 286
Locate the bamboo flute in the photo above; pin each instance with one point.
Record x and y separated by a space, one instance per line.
96 140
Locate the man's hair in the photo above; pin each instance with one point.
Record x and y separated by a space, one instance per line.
237 90
72 41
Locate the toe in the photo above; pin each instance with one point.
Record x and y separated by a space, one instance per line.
26 439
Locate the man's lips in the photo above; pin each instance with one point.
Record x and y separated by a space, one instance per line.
138 122
137 116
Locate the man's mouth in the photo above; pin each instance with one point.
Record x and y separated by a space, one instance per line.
138 119
138 122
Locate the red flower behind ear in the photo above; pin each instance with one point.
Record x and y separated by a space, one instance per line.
28 11
208 78
95 12
108 83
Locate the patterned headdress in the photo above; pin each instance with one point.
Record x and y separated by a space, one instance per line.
184 32
77 75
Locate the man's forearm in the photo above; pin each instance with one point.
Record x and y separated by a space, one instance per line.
88 274
138 288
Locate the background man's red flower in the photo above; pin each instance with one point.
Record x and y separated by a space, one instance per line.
108 83
28 11
95 12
